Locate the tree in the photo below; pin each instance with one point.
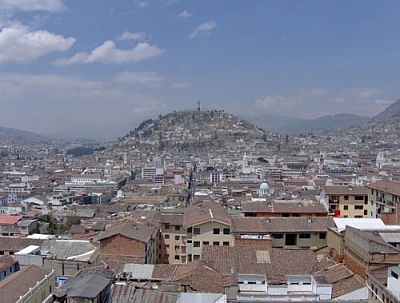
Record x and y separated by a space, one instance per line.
53 223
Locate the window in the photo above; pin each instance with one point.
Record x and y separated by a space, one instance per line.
277 236
227 231
196 244
196 257
394 275
167 246
225 243
345 207
166 237
216 243
322 236
177 228
358 207
206 243
189 230
166 226
216 231
176 257
177 238
346 198
365 212
304 236
197 230
176 247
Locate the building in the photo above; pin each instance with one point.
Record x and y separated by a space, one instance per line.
29 285
346 201
206 223
130 242
383 196
384 284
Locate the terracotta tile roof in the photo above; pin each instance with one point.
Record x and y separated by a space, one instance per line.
6 262
345 190
248 225
342 279
16 244
9 220
300 224
19 283
199 276
139 232
381 274
273 262
284 207
388 186
164 271
205 212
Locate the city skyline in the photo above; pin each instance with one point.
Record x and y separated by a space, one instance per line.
78 67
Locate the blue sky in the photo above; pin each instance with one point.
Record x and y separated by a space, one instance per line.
90 67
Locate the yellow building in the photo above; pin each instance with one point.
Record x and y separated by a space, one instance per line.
206 223
346 201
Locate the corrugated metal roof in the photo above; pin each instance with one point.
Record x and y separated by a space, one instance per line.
191 297
139 271
360 223
390 237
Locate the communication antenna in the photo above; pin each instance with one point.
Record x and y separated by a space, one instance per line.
198 105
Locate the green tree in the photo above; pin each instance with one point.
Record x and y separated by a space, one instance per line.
53 223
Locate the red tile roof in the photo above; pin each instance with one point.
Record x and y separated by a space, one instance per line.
9 220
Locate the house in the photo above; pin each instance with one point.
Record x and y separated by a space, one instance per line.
172 238
284 208
294 232
384 284
9 245
130 242
361 250
30 284
8 225
266 274
90 288
8 265
346 201
206 223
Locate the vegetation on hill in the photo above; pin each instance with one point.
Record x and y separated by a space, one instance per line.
193 130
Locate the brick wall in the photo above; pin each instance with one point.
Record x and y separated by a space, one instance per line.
124 249
392 218
248 242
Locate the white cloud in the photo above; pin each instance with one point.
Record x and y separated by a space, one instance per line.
276 103
142 3
203 28
19 44
338 100
179 85
32 5
146 78
315 93
185 14
108 53
364 93
383 102
131 36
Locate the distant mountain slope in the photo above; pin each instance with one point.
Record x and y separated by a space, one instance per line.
293 126
194 130
12 134
392 110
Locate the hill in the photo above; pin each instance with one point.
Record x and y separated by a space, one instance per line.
392 110
192 131
12 134
296 126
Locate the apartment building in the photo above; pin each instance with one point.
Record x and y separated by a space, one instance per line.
383 196
206 223
346 201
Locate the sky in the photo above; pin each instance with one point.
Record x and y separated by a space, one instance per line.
97 68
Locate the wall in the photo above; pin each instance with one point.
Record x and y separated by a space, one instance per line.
122 248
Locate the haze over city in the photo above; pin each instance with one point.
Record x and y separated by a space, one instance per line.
82 67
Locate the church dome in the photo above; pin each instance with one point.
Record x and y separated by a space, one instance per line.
264 185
